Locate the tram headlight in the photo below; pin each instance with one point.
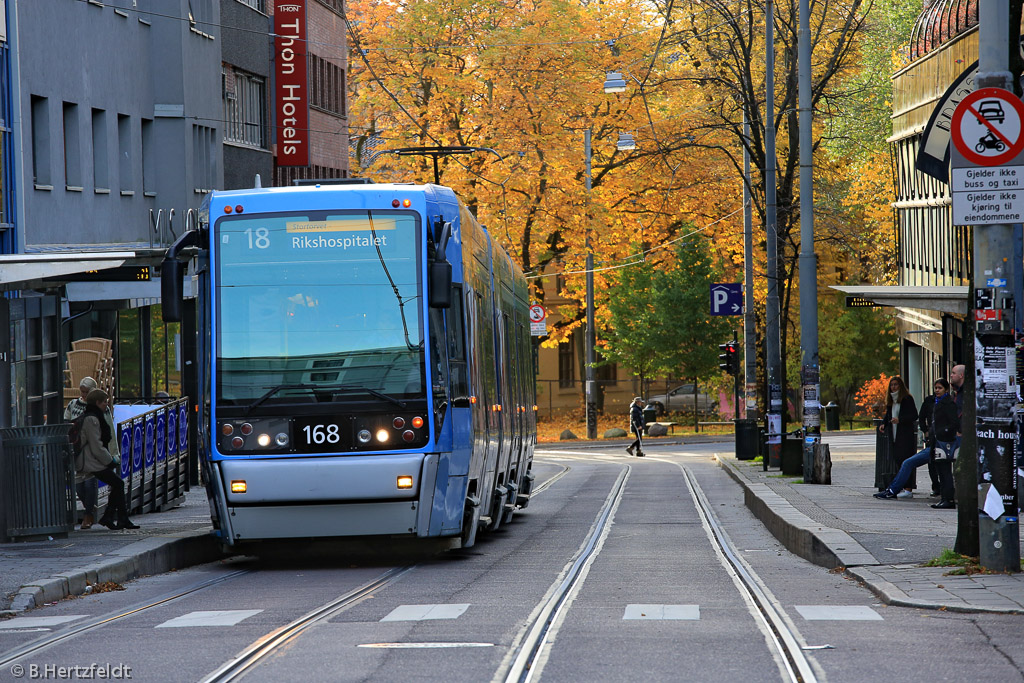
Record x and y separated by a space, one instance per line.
263 440
281 439
382 435
364 436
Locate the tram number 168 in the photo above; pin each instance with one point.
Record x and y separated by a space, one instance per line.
321 434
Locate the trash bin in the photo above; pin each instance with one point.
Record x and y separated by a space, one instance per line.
650 416
746 439
792 455
885 463
37 482
831 417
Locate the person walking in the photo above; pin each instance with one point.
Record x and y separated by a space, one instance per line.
900 428
95 459
85 484
636 425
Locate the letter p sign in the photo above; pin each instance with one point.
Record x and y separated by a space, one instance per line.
727 298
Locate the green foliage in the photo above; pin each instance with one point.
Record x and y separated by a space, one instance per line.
863 121
854 344
632 337
659 321
682 299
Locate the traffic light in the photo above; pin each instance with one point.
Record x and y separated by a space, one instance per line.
729 359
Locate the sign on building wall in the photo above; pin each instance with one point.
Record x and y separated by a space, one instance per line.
291 97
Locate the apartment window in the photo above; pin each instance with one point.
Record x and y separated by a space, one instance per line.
245 108
204 159
148 158
336 5
326 85
100 153
72 148
258 5
41 142
566 364
124 152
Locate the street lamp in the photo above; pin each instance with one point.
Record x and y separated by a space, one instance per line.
590 339
614 82
626 143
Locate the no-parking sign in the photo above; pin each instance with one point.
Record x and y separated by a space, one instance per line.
538 321
987 178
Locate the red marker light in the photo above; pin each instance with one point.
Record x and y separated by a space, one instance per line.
417 422
239 209
408 435
407 203
227 209
395 203
398 422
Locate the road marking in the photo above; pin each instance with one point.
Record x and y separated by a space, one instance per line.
228 617
425 612
837 613
418 646
662 612
34 622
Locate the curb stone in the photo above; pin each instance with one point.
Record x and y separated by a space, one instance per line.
822 545
146 557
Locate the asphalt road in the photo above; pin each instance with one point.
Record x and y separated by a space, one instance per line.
656 601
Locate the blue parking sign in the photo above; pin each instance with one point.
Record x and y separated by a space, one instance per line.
727 298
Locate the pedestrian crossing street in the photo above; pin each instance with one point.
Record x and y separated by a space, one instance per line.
632 612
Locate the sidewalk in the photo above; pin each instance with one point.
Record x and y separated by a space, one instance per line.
35 573
879 542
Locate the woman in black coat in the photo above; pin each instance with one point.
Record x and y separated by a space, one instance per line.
900 427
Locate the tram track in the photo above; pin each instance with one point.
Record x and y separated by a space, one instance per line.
45 642
772 620
525 660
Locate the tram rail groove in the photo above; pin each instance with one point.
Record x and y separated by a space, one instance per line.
47 641
798 667
251 656
522 668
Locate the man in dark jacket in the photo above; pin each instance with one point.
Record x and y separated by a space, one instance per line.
636 425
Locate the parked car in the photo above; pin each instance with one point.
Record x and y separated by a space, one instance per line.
681 399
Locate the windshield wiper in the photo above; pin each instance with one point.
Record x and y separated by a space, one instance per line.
333 388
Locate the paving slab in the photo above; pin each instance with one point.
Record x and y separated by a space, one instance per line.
35 573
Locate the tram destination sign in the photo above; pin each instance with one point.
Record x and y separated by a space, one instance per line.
987 174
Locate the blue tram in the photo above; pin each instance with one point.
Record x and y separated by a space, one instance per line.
365 361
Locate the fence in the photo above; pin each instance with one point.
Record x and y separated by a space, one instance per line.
154 456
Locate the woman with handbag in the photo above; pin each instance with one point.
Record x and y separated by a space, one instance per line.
944 430
97 460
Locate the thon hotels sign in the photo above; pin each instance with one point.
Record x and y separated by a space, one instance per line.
291 96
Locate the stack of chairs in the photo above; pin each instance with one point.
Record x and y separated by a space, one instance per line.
92 357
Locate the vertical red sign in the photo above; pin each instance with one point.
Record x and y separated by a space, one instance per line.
291 96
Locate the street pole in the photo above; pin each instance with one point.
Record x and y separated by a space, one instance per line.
749 316
810 369
995 279
590 336
772 308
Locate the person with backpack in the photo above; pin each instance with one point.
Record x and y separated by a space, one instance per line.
95 458
85 484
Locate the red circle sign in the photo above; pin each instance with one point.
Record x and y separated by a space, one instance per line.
537 313
987 127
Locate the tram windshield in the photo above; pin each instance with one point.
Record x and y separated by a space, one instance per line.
319 306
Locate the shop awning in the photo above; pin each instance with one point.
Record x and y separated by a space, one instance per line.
38 270
943 299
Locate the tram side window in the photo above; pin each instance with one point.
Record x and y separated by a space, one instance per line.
457 348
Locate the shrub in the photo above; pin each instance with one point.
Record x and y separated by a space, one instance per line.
871 396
